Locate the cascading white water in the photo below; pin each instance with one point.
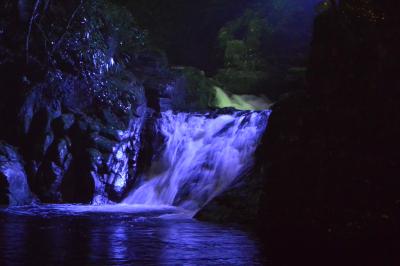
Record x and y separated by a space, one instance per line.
225 99
203 156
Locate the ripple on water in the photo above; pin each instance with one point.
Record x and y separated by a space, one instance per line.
119 235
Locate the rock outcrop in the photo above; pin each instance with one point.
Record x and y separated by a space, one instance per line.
79 98
82 94
14 189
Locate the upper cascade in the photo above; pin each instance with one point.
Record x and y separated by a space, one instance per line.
203 155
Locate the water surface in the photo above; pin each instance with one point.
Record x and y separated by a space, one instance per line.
119 235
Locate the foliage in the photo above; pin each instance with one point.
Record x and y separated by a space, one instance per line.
90 42
240 40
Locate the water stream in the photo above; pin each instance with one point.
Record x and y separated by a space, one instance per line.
202 156
119 235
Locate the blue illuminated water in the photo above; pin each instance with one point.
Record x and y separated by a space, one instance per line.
203 155
119 235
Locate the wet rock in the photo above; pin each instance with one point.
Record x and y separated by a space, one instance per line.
115 135
93 124
48 140
77 120
28 110
102 143
82 126
47 181
40 136
38 109
50 172
111 119
67 161
96 159
62 124
62 149
100 163
56 174
13 179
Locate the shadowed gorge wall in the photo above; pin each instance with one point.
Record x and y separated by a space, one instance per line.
332 175
328 159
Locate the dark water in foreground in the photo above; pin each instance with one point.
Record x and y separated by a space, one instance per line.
86 235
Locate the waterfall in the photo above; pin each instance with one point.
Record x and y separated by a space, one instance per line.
241 102
203 155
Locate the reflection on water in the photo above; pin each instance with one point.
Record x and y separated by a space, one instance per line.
78 235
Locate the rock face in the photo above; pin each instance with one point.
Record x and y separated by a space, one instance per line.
14 187
80 98
77 157
84 95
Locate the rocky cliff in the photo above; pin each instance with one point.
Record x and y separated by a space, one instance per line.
78 93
